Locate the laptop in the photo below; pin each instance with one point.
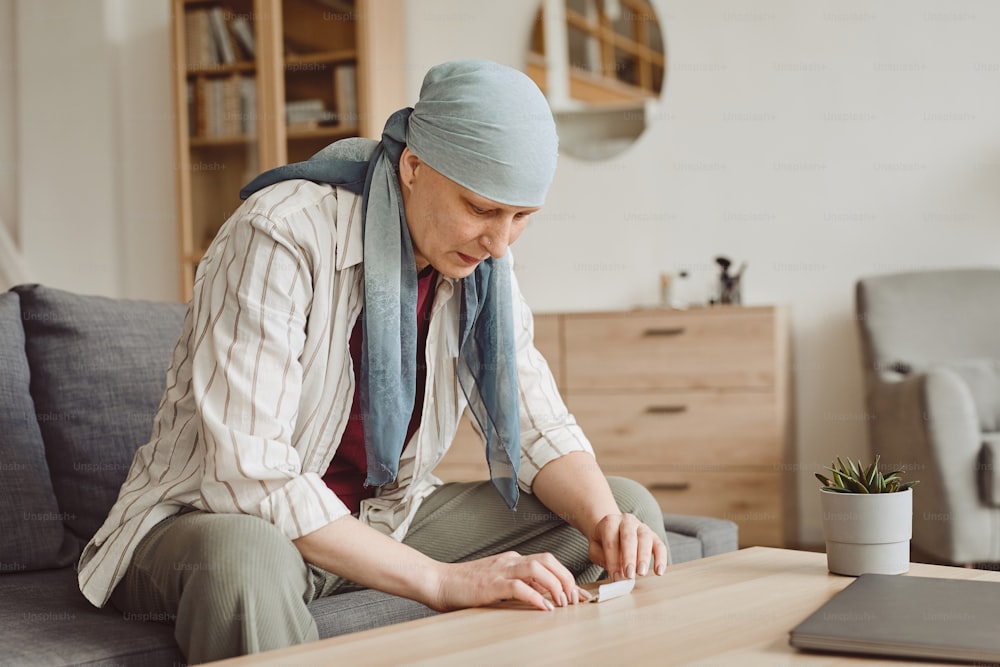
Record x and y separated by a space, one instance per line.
908 617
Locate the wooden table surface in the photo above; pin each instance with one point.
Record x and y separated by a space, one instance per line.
733 609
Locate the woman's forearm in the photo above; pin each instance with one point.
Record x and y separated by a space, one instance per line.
357 552
574 487
354 551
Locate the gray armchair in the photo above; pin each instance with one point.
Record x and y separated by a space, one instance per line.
931 350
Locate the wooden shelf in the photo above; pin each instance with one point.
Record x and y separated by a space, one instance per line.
322 57
243 67
216 142
330 132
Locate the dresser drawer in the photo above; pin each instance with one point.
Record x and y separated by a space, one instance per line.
724 347
750 499
663 429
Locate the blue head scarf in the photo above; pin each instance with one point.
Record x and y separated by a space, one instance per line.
488 128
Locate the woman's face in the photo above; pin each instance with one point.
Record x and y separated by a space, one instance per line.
452 228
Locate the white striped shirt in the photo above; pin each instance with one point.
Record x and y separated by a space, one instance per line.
260 385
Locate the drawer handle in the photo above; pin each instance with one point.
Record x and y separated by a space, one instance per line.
666 409
664 331
669 486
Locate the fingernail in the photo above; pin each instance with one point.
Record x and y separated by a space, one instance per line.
562 599
575 595
630 571
643 568
548 605
587 597
661 568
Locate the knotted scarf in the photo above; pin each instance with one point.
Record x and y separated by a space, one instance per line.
488 128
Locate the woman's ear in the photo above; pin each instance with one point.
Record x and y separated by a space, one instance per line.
408 165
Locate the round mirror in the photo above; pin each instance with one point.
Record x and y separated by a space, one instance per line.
601 65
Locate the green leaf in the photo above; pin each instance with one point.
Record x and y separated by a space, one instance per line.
871 472
855 486
844 470
855 473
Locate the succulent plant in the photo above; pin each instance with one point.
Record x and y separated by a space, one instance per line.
856 478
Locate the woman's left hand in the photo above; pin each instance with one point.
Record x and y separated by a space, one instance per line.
626 547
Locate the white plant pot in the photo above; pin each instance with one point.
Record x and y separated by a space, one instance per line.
867 532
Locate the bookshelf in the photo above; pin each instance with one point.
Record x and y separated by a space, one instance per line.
261 83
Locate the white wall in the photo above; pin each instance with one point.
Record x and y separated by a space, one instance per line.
818 141
8 134
95 177
146 176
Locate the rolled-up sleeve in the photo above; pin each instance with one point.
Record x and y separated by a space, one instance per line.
251 303
548 430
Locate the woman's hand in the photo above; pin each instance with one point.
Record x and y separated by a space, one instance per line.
625 547
508 575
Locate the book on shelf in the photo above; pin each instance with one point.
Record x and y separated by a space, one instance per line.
191 107
345 88
232 107
215 38
199 104
307 114
225 48
244 36
199 45
248 98
224 107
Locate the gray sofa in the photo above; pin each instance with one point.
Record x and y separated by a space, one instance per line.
80 380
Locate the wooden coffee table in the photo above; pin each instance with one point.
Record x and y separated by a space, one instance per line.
733 609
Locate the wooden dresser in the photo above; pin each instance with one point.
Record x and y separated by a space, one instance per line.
692 403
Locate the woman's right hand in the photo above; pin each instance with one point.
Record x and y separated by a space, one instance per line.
508 575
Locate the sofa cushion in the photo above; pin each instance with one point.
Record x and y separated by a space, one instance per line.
691 537
98 370
362 610
683 548
30 523
45 620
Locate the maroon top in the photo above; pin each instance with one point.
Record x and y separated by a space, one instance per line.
349 467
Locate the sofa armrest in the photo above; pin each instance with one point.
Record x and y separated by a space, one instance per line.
928 422
717 536
927 425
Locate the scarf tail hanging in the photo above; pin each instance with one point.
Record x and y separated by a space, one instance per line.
487 350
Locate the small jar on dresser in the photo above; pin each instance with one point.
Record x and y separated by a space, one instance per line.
695 404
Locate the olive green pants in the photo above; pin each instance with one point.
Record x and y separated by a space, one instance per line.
233 584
